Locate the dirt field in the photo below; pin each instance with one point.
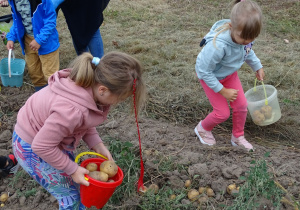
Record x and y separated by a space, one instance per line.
168 121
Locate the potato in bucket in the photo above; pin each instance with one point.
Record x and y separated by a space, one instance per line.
263 104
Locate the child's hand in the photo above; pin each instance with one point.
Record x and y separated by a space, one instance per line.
10 45
101 149
229 94
34 45
260 74
78 176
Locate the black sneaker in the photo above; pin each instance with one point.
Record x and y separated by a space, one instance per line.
11 168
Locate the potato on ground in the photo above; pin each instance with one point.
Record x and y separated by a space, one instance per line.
187 183
154 188
109 167
4 197
202 190
91 167
230 188
173 197
142 190
210 192
193 194
99 175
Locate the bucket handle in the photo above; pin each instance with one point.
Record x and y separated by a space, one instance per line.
10 51
88 153
254 89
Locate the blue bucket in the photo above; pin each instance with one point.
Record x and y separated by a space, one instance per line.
12 71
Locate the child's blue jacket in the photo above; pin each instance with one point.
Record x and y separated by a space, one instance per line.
43 24
216 63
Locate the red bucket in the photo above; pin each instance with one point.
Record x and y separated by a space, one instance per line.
98 193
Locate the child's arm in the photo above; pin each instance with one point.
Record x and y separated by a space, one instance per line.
94 142
12 34
206 63
49 23
47 142
101 149
253 61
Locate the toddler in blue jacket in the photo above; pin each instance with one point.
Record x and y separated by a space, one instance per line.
34 26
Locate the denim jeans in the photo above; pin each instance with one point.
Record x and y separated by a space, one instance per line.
95 45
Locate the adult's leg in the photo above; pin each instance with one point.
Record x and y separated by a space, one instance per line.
96 45
56 182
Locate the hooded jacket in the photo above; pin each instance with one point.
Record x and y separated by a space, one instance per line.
216 63
43 23
57 117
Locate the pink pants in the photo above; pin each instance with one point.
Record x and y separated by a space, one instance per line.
221 111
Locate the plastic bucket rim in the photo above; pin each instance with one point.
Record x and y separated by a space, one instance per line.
273 95
104 184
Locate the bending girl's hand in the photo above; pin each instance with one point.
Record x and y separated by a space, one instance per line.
78 176
260 74
101 149
229 94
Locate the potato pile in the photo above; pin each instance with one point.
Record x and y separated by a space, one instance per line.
108 169
264 113
201 195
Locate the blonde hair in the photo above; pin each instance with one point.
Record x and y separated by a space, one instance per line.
117 71
246 16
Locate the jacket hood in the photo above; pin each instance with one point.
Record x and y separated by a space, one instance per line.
224 37
61 84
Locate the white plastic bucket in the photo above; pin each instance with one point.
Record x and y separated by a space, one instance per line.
263 104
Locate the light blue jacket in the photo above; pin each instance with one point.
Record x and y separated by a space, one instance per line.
44 27
216 63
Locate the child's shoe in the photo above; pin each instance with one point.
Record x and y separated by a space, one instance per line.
12 166
205 137
241 141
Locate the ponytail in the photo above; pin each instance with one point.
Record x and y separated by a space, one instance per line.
219 30
82 70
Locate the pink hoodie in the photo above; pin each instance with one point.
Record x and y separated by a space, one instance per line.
57 117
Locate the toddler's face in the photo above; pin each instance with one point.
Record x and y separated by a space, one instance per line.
235 35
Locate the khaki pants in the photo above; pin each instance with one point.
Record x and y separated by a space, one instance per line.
40 67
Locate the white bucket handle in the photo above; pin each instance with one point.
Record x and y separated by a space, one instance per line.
254 89
10 51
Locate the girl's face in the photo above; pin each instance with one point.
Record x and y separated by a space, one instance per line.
235 35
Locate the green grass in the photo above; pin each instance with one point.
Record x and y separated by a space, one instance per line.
162 200
259 185
126 157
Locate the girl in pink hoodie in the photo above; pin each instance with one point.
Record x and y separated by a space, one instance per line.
53 121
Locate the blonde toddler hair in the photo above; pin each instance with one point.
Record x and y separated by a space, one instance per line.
246 16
